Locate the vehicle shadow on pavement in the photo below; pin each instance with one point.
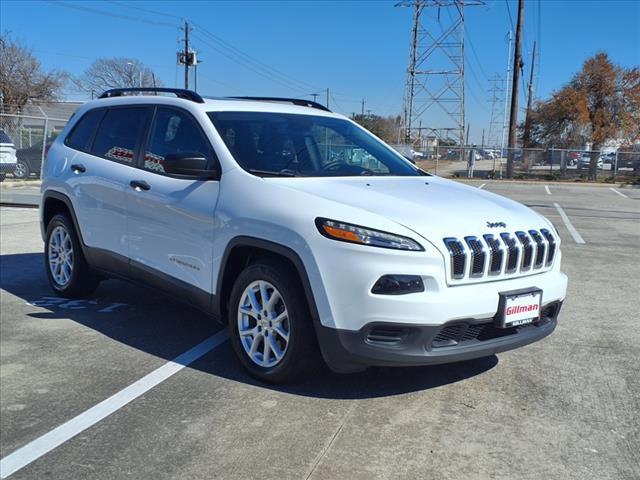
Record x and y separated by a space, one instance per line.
147 320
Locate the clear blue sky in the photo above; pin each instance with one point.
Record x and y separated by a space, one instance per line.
358 49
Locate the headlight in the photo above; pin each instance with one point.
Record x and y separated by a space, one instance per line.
346 232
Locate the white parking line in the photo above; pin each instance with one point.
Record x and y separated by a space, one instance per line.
567 223
481 186
546 187
619 193
56 437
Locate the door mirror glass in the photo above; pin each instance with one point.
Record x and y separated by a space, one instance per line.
191 164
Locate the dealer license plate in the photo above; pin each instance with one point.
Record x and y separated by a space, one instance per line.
519 308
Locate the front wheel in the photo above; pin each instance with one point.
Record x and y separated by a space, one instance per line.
271 329
67 270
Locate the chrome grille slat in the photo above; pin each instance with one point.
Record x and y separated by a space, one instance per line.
527 251
505 253
541 248
552 246
478 256
495 254
513 252
458 257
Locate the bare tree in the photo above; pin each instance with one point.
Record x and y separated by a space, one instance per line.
22 79
106 73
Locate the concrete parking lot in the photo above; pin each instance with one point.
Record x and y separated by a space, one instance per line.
567 407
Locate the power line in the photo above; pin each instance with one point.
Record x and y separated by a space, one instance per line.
110 14
140 9
273 71
246 64
513 28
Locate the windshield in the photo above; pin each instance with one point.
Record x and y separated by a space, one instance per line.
281 144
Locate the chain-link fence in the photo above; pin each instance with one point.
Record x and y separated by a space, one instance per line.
25 140
528 163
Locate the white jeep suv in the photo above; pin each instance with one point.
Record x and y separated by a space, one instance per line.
306 233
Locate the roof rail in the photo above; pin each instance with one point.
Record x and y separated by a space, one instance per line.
178 92
294 101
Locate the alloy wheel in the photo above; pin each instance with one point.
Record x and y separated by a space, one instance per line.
60 256
263 324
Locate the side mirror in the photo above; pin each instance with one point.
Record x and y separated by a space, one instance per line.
189 164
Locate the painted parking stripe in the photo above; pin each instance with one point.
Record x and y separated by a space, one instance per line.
481 186
546 187
59 435
619 193
567 223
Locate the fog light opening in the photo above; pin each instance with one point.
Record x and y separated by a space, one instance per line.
398 285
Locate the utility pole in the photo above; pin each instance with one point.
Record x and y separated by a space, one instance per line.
327 97
315 97
186 55
513 116
527 118
506 102
363 107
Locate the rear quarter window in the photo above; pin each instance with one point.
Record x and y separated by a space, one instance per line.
83 132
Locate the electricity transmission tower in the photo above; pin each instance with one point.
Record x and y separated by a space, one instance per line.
434 90
496 97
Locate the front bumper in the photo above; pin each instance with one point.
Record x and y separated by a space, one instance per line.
392 344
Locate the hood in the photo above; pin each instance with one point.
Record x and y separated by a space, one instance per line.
433 207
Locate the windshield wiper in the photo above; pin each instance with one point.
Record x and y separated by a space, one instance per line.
270 173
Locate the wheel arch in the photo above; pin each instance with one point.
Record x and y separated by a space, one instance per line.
242 251
54 203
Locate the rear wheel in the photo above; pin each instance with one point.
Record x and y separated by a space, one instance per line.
271 329
22 170
67 270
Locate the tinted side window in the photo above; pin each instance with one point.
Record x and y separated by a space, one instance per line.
173 131
82 134
119 132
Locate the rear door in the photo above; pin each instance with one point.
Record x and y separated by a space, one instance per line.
100 173
171 220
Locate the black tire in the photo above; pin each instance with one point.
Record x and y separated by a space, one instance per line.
301 355
22 170
82 281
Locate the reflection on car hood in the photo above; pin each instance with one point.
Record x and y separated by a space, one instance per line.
431 206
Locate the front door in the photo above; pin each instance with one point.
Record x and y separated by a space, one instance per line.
171 220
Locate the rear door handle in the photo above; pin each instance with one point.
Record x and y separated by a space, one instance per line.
139 185
78 168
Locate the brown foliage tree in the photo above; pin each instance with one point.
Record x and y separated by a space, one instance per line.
600 103
22 80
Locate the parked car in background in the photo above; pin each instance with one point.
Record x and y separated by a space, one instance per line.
7 155
29 161
585 160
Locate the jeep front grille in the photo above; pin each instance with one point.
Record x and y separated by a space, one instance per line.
504 254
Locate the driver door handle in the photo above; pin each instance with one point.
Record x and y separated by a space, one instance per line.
139 185
78 168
